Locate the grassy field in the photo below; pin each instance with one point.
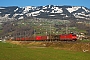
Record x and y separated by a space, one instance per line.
10 51
85 40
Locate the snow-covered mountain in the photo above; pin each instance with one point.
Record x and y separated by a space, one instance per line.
48 11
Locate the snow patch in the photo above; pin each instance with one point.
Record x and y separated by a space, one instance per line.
27 8
51 15
73 9
36 13
85 9
16 15
44 7
41 10
15 10
6 15
2 8
62 14
79 16
57 10
20 17
66 16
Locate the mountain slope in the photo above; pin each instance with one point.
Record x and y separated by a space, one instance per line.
48 11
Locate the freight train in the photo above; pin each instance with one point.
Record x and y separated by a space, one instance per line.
61 37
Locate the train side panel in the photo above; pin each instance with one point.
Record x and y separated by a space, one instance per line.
68 37
41 37
17 39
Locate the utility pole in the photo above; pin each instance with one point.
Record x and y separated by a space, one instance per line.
46 32
34 34
66 29
50 32
25 35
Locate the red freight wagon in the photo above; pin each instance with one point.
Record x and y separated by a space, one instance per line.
23 39
26 38
17 39
32 38
20 39
41 37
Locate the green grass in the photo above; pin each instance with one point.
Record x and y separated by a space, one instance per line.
85 40
14 52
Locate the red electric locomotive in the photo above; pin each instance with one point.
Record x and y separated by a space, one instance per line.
67 37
